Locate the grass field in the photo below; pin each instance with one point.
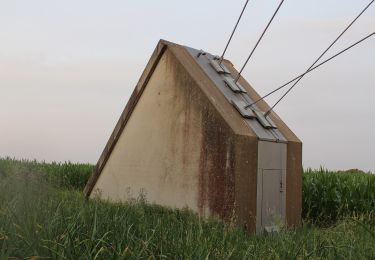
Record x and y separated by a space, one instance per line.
43 214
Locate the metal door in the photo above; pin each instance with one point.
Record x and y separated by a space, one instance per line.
272 199
271 186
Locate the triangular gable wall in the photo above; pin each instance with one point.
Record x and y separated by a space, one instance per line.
170 146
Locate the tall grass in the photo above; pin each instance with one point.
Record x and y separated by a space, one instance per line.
43 213
37 219
327 195
65 175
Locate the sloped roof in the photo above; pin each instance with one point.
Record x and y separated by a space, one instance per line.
197 64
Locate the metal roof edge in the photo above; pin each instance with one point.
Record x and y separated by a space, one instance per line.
186 60
282 126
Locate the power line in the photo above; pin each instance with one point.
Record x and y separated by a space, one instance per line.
256 45
313 68
269 111
234 29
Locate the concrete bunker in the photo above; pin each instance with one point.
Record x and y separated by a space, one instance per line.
185 139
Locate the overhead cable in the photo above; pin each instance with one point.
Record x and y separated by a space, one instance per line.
234 29
260 38
313 68
329 47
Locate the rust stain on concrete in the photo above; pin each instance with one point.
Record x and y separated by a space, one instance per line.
216 177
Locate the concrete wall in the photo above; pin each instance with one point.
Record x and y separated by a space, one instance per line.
179 151
158 151
183 144
294 157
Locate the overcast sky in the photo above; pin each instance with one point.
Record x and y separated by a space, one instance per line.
67 69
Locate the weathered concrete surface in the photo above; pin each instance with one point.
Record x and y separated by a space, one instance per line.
176 148
158 152
182 143
294 157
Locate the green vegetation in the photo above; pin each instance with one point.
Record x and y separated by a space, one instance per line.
328 196
45 215
61 175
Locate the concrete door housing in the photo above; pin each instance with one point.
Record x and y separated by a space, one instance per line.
271 186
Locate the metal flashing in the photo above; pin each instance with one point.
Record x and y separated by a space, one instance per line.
219 67
269 132
240 106
273 125
263 120
234 86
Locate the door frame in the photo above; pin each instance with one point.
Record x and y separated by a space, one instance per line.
271 156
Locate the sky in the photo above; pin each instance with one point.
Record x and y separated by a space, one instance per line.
67 69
